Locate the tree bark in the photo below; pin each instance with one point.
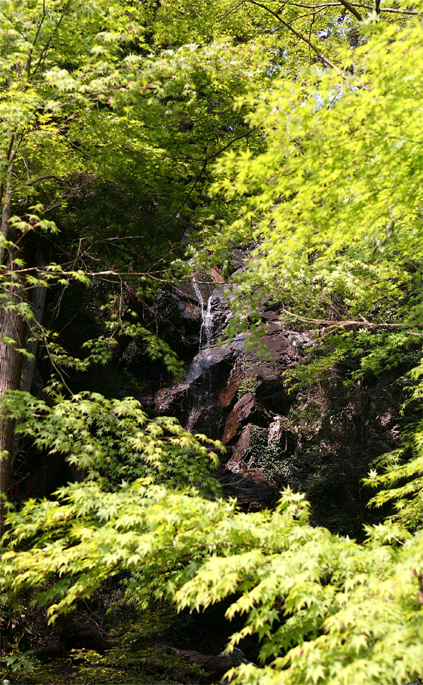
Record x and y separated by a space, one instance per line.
12 326
38 300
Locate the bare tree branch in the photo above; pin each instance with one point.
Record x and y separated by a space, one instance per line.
413 13
41 178
205 162
296 33
56 28
351 9
27 66
350 322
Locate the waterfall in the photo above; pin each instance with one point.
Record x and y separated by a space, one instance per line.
206 330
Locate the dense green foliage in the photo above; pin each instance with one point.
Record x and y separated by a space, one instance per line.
113 440
327 182
342 233
352 612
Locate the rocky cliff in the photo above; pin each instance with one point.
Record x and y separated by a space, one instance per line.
320 440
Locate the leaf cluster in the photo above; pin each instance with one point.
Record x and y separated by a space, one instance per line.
326 609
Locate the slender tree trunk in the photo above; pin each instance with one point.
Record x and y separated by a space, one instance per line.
38 300
6 198
11 326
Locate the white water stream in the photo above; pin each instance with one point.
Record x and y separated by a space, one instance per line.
206 330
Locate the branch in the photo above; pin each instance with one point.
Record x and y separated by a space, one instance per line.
390 9
353 4
296 33
313 7
233 140
56 28
352 9
206 160
37 34
94 274
56 367
91 274
41 178
349 322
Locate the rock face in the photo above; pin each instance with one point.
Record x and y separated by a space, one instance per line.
195 401
320 441
227 390
217 665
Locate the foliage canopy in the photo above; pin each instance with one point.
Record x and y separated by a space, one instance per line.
329 184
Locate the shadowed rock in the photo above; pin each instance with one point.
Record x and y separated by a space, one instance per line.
218 665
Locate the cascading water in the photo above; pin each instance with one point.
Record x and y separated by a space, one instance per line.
206 330
196 400
202 396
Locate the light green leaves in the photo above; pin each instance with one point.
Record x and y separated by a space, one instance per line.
333 199
332 190
327 609
113 440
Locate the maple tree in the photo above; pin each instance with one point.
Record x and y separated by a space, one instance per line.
328 182
82 95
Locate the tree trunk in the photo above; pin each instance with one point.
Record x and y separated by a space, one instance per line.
11 326
38 300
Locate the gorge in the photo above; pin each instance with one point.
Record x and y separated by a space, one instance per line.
211 436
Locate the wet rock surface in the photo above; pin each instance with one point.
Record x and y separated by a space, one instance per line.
195 401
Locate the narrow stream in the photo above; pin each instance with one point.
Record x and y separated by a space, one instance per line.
206 330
